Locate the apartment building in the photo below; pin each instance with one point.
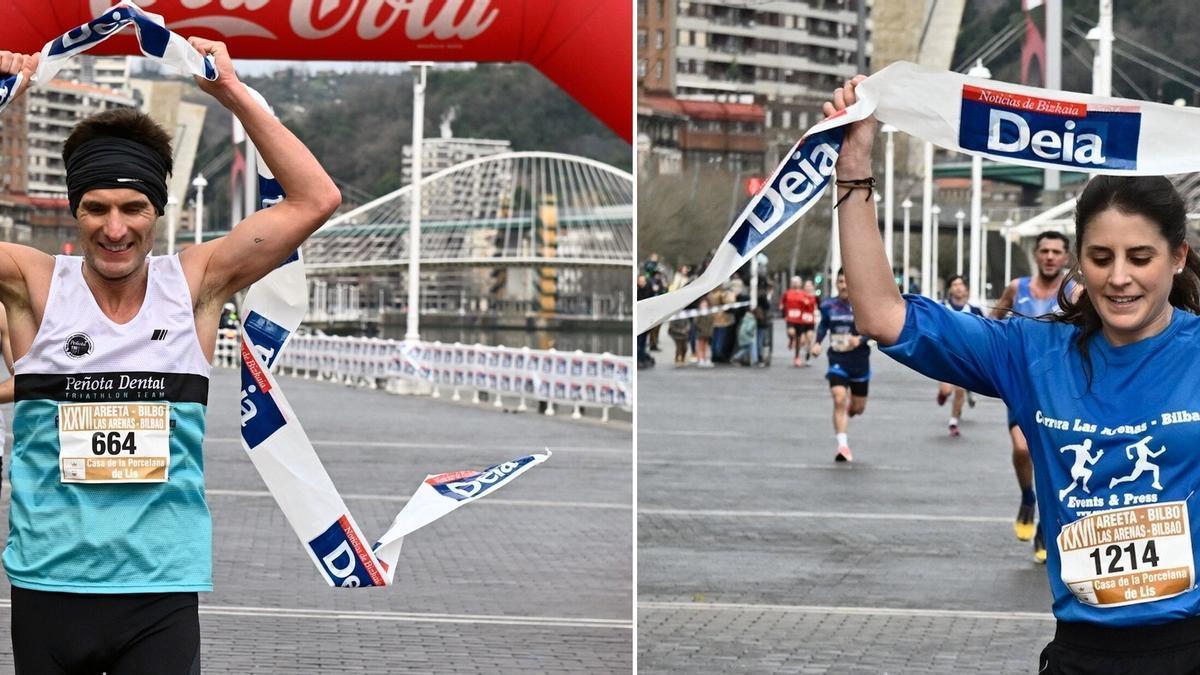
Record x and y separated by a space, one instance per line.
774 50
53 110
781 58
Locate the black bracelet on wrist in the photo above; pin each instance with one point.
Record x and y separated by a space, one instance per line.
867 184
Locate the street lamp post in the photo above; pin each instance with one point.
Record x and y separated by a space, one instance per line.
198 227
412 331
960 216
906 206
889 191
984 220
937 212
1102 35
1008 225
926 208
980 71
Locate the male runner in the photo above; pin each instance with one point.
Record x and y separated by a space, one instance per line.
849 364
113 351
799 306
956 299
1032 296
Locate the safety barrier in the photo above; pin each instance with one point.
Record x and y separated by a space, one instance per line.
575 379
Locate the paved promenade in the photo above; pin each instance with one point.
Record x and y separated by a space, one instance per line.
537 578
756 553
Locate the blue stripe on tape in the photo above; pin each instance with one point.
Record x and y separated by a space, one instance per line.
341 558
266 335
260 416
153 37
477 484
8 87
90 33
270 192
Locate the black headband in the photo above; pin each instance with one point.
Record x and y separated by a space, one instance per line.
112 162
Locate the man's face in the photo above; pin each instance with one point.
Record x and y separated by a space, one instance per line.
116 229
1051 257
808 286
958 291
841 284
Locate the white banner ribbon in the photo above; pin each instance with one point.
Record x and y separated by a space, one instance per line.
1003 122
272 311
154 40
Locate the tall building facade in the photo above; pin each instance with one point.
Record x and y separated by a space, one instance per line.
53 110
445 152
655 46
775 50
110 72
782 57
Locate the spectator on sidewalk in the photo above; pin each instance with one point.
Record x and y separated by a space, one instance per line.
704 335
644 360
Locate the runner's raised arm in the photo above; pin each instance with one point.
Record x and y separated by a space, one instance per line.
218 269
878 307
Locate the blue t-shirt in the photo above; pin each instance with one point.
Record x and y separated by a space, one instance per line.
1115 462
837 320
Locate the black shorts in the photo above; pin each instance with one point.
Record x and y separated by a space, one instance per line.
801 327
1165 649
857 387
121 634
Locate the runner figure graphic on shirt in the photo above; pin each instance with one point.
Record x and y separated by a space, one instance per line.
1080 473
1144 455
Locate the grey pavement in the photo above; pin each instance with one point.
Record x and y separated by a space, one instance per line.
537 578
756 553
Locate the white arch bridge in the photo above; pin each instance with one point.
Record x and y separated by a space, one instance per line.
517 232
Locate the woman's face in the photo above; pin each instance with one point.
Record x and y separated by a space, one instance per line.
1127 269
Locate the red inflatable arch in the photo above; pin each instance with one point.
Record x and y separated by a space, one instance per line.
584 46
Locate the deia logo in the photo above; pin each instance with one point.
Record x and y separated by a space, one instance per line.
343 556
89 33
1045 130
802 178
78 346
793 189
462 485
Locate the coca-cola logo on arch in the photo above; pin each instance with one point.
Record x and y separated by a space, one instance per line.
320 19
584 47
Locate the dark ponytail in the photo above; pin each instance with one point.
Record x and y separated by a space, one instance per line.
1152 197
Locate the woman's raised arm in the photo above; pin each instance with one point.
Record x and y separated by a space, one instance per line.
878 308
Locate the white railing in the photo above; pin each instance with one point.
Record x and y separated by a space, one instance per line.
575 379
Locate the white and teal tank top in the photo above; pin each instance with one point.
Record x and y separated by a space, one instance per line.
106 468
